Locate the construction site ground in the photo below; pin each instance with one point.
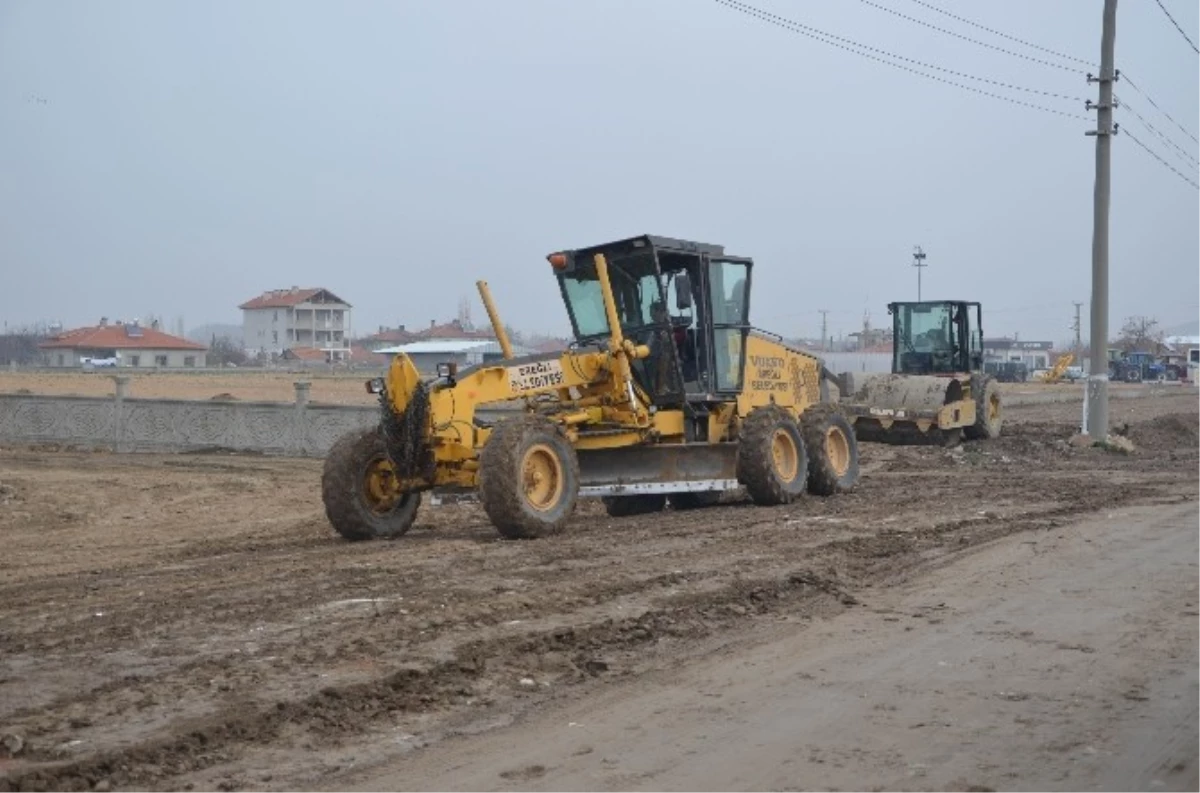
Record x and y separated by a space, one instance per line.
1020 613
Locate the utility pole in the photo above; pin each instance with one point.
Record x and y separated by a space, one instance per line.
919 263
1078 328
824 326
1096 421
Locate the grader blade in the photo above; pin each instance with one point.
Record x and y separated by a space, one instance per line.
666 468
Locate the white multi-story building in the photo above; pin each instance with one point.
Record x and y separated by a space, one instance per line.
284 319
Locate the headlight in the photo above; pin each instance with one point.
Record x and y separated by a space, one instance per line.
447 370
375 386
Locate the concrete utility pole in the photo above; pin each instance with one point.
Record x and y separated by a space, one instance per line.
824 326
919 263
1096 423
1078 328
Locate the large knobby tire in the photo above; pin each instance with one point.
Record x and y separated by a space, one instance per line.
640 504
989 412
771 459
1133 375
528 478
689 500
358 489
832 450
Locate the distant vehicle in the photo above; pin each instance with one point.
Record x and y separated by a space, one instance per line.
1007 371
100 363
1074 373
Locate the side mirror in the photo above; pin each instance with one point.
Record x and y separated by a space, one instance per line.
683 291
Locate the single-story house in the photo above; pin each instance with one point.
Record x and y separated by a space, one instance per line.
125 345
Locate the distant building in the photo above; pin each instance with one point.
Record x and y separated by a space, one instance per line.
281 319
428 353
1034 354
125 345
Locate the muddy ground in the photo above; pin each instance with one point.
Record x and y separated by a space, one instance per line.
191 621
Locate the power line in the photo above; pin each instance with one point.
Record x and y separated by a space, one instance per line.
925 24
1046 50
1191 43
1123 105
863 50
1134 86
1163 162
1124 74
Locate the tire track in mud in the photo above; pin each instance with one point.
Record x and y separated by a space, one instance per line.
480 667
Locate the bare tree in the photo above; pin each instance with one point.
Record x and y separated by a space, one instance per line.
223 351
1140 334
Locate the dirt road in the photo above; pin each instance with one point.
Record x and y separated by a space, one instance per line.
176 621
1060 660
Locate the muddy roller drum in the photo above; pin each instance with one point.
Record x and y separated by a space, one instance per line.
916 409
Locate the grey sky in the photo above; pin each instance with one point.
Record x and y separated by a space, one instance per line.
189 155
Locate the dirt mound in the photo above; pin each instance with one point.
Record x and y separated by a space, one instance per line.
1173 431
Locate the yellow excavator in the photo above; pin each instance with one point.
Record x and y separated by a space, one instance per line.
667 395
1059 370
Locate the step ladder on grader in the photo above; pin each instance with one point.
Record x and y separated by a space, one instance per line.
667 395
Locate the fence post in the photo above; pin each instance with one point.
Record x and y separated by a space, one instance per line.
122 391
300 425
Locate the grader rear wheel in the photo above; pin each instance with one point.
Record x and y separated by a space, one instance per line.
772 462
832 450
359 488
528 478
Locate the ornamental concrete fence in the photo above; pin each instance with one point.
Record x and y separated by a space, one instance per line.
125 424
298 429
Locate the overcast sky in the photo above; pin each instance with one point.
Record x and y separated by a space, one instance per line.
178 158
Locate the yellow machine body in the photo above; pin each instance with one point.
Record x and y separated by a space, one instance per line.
650 402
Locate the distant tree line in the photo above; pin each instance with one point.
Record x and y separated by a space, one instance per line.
20 346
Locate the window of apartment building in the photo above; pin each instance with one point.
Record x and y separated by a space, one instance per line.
60 360
275 316
160 360
189 360
135 360
275 336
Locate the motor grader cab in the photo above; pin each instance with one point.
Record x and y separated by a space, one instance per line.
666 395
937 391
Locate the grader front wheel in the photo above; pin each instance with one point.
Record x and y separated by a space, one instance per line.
528 478
359 488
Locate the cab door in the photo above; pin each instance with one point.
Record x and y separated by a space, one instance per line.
729 321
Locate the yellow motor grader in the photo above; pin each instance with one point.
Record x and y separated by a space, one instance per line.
666 395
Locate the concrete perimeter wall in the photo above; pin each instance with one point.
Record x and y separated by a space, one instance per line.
299 429
123 424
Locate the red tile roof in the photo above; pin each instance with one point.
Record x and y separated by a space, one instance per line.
116 337
392 336
360 354
454 330
305 354
286 298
